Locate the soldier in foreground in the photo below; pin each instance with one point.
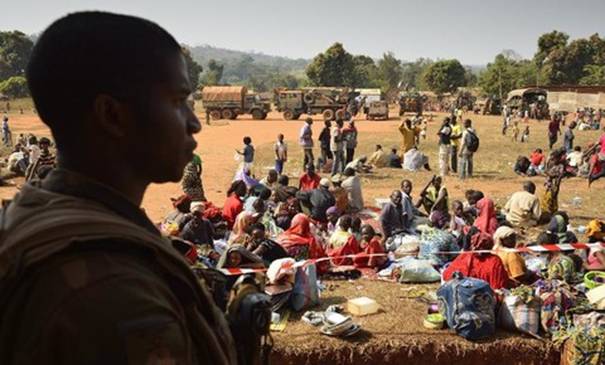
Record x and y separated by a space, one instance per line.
85 277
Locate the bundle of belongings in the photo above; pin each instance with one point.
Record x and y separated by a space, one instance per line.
332 322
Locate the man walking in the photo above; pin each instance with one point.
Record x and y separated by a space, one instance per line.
306 142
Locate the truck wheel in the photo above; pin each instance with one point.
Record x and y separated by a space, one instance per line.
288 115
328 114
227 114
215 115
257 114
308 98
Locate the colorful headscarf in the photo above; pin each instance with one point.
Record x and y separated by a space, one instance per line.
486 219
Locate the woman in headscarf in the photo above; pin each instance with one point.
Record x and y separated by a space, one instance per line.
298 240
234 205
192 179
558 227
484 265
237 256
343 242
174 222
486 220
370 245
241 229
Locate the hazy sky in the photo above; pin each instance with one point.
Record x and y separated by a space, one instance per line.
473 31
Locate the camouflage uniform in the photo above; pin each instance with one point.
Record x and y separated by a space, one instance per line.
85 278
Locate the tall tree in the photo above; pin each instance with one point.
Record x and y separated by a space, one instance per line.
193 68
334 67
412 72
445 76
15 50
390 72
365 72
213 74
549 42
594 75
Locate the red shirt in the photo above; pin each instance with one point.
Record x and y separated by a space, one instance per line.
488 268
233 206
602 142
536 158
309 183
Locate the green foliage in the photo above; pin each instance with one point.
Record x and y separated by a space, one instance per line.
334 67
390 72
193 68
15 50
413 72
506 74
365 72
445 76
595 75
566 63
213 74
14 87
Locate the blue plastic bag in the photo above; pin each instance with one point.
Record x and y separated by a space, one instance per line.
469 307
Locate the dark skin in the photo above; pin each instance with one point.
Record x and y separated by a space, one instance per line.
123 130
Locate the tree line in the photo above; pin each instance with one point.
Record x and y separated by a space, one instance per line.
557 61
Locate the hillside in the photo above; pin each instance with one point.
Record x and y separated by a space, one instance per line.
202 54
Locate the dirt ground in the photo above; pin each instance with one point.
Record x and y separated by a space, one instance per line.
396 335
493 163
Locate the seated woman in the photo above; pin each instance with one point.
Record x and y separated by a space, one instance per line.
514 263
299 242
370 245
240 235
175 220
342 242
484 266
486 220
234 205
263 247
237 256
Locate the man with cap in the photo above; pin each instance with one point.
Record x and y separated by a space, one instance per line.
318 200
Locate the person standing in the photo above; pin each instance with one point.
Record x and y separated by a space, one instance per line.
84 219
306 142
324 145
444 146
455 138
248 153
192 180
350 137
408 135
554 130
7 137
467 149
337 147
281 153
568 137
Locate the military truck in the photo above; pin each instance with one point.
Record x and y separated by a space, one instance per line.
228 102
378 110
465 100
331 103
533 100
492 105
410 102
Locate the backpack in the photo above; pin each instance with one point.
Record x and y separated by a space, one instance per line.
469 307
471 142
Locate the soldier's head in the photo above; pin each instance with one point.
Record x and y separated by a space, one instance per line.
108 86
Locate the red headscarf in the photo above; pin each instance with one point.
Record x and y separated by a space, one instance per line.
299 234
486 220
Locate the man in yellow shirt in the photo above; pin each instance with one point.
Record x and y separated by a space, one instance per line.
455 137
408 134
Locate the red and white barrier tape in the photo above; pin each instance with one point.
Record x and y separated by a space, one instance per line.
527 249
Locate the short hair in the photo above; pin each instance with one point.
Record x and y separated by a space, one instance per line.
247 140
529 186
577 148
283 180
257 226
85 54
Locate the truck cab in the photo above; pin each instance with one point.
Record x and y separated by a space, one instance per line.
290 103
